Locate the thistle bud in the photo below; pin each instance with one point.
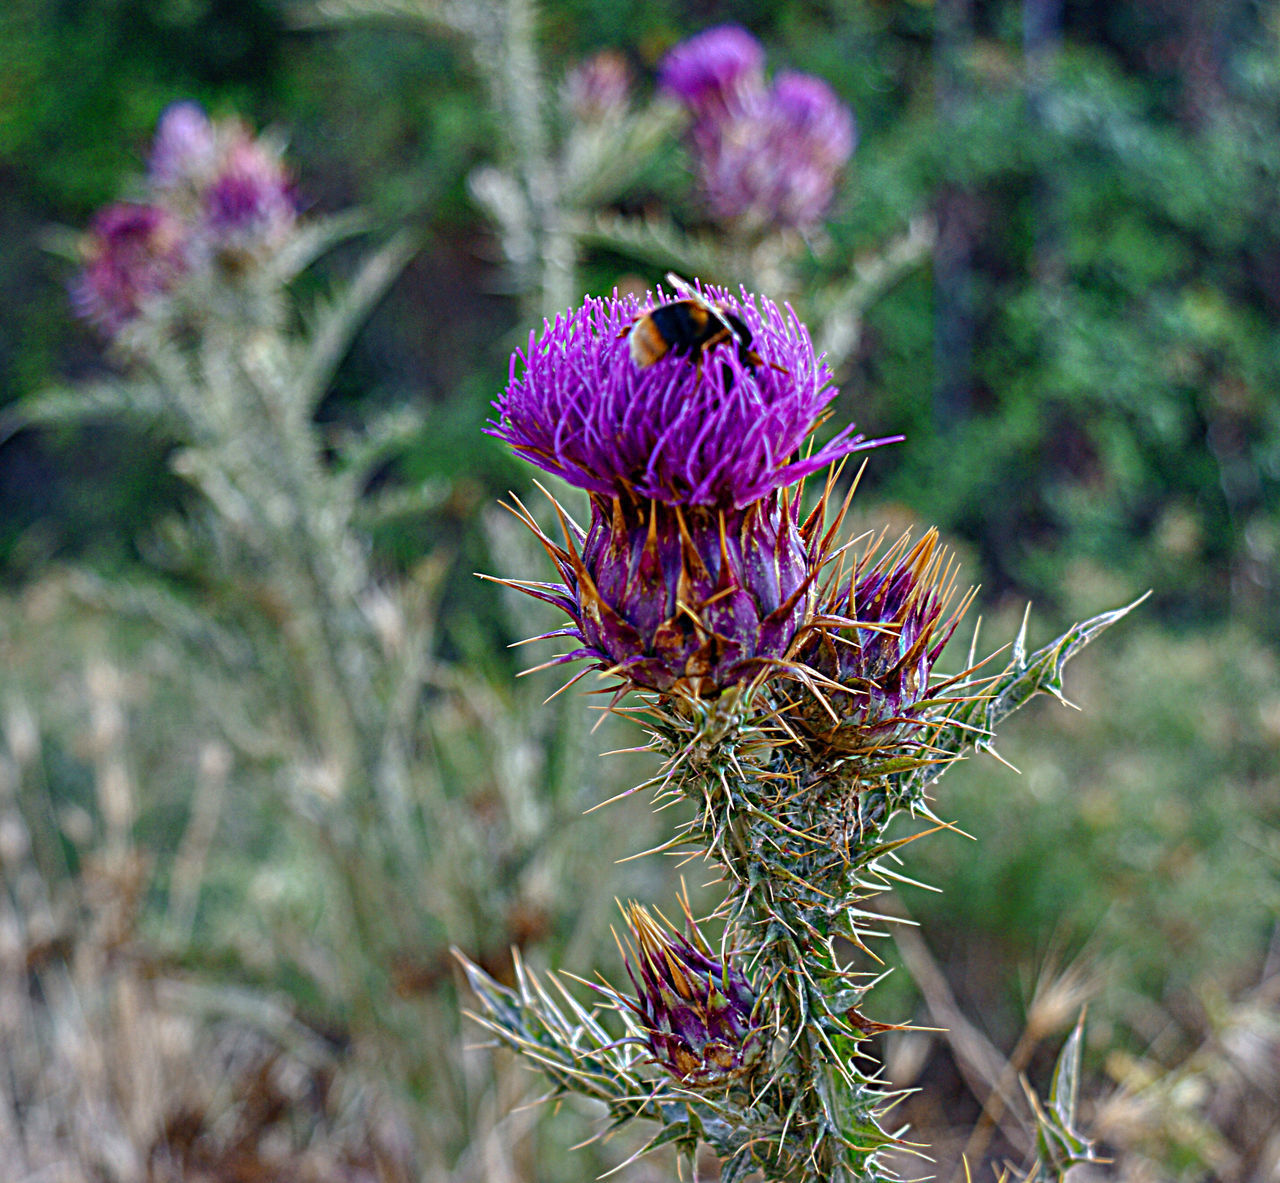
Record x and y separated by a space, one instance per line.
599 88
695 1009
873 645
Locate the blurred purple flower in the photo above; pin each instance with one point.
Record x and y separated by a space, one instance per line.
722 432
133 253
695 1008
775 160
713 71
874 642
184 152
249 199
598 88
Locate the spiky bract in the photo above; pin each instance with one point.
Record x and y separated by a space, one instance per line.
719 430
874 644
685 600
695 1008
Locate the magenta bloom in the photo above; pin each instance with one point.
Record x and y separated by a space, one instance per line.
721 433
695 1009
185 149
776 159
694 573
133 253
712 71
249 199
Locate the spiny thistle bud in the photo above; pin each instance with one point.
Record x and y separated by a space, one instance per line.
874 644
133 253
684 600
694 572
695 1008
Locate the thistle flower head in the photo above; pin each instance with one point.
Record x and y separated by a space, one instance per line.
694 1007
249 199
874 642
185 149
713 70
775 159
133 253
715 429
598 89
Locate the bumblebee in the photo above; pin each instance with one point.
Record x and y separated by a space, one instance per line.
688 326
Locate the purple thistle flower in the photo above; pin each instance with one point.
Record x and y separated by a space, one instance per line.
718 431
695 1009
874 644
694 573
712 71
249 199
598 89
775 159
185 150
133 253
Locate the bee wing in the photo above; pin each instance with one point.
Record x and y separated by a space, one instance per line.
684 288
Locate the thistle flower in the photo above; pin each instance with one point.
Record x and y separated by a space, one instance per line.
185 150
720 431
713 71
695 1009
230 186
249 201
133 253
874 644
775 159
599 88
694 573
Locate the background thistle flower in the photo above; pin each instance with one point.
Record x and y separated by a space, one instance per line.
874 644
765 157
712 71
775 159
133 253
695 1008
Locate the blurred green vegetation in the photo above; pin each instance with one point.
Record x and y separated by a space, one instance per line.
1086 377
